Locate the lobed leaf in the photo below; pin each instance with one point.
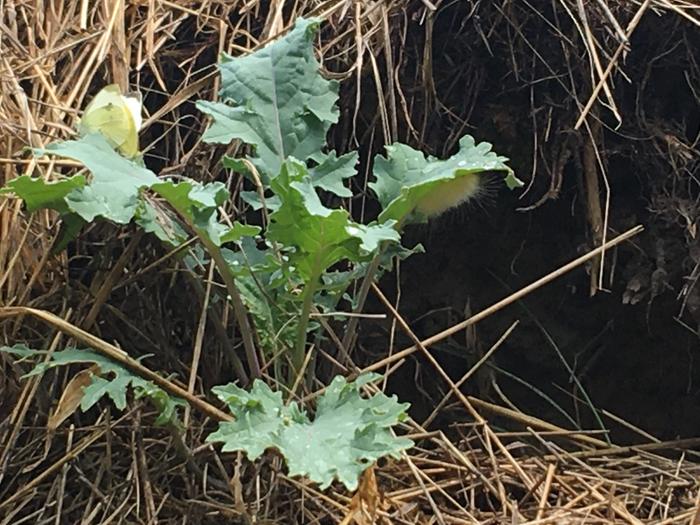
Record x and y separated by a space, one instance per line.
330 173
114 189
348 434
276 101
320 236
112 380
39 194
411 187
198 204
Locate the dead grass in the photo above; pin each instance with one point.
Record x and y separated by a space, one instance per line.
106 467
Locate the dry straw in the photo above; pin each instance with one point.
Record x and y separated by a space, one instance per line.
107 468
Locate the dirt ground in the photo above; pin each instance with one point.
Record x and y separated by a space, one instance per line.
634 345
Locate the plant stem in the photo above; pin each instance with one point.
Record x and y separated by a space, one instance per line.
349 337
239 310
307 304
351 329
220 328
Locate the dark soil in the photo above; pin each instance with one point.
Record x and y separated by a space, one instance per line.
634 348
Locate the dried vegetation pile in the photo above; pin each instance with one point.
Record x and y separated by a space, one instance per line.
562 70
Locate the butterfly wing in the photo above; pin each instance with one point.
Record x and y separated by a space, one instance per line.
109 114
135 105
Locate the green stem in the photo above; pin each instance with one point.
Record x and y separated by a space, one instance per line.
220 328
350 335
299 351
351 329
239 310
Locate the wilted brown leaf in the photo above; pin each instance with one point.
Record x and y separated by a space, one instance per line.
71 397
365 502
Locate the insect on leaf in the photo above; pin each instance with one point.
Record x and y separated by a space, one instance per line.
71 397
411 187
116 117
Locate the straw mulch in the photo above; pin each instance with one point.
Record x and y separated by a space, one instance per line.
494 465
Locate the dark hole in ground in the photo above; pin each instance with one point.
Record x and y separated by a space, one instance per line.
633 360
636 360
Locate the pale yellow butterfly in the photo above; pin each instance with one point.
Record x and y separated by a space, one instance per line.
117 117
